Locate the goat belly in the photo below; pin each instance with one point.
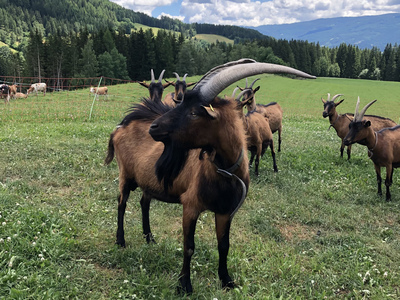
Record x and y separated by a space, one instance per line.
221 196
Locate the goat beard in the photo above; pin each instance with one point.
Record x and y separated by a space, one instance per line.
170 163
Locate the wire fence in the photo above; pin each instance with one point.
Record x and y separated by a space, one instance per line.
70 99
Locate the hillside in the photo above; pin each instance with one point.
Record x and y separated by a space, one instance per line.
19 17
365 32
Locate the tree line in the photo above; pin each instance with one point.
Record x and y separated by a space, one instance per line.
115 54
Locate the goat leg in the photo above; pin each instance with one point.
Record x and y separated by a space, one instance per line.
388 181
189 227
122 198
348 152
271 145
145 206
342 149
378 179
223 225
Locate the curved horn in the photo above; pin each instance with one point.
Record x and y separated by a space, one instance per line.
337 95
329 97
152 76
360 115
161 76
219 78
251 85
234 91
240 95
177 76
184 77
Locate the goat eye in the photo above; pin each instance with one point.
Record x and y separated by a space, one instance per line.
193 114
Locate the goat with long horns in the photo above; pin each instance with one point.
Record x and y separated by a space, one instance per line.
383 145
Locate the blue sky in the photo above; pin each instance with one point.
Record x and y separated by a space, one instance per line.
261 12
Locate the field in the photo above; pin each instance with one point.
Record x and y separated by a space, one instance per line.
314 230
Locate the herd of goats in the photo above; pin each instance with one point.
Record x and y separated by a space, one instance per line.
191 148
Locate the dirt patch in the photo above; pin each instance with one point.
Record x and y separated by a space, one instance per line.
295 231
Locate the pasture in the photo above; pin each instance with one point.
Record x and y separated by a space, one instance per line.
314 230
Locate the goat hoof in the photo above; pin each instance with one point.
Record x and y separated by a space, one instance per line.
228 285
121 244
149 238
185 287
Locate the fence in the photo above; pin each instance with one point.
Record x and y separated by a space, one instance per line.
69 99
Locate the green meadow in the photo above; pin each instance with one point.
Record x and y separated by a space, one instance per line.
315 230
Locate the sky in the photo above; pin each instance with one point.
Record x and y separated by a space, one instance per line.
260 12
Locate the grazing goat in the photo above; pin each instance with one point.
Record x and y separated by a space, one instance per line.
196 158
176 97
37 87
272 111
383 145
99 91
341 122
13 90
5 93
258 131
156 89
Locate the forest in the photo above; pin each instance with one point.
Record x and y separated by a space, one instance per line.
90 38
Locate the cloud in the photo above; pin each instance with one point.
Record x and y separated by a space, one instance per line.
263 12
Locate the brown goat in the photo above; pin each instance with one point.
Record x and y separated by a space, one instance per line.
341 122
272 111
258 132
200 161
177 96
383 145
156 89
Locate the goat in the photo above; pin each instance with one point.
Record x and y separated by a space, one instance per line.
176 97
272 111
156 89
13 90
20 95
5 93
194 155
258 131
99 91
383 145
341 122
37 87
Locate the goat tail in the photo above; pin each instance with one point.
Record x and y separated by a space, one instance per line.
111 151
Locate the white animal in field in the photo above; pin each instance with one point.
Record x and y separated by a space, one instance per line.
37 87
20 95
99 91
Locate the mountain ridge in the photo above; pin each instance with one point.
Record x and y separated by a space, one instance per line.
367 31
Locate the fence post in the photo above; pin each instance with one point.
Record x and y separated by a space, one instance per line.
95 96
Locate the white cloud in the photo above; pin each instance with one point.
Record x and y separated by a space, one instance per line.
263 12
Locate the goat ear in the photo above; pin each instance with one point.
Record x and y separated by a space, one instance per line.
210 111
190 84
323 100
143 83
336 104
167 84
256 89
367 123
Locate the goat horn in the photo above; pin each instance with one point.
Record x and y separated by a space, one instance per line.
184 77
240 95
161 76
329 97
177 76
360 115
337 95
251 85
220 77
247 82
234 91
152 76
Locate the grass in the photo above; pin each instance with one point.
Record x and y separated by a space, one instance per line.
314 230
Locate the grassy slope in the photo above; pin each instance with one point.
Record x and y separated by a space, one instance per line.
60 214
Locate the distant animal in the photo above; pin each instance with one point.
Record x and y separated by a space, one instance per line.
37 87
177 96
19 95
383 145
156 89
99 91
5 93
13 90
272 111
341 122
